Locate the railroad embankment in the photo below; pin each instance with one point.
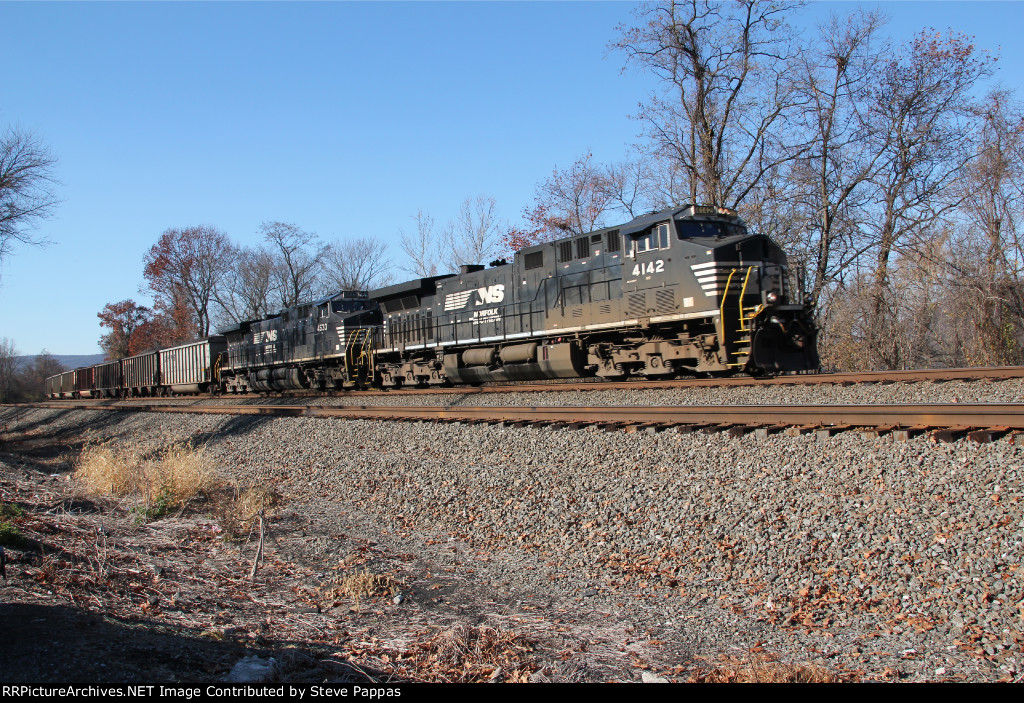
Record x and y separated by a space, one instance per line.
615 554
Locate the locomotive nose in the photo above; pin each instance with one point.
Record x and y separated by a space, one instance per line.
784 341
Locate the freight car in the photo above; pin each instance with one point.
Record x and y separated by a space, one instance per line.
192 367
682 291
186 368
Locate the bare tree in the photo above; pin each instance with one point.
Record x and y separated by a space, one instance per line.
921 110
631 187
575 200
247 294
829 182
422 247
722 117
988 268
357 264
300 256
26 188
475 237
581 198
33 375
8 368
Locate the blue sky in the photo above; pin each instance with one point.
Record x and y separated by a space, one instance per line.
343 118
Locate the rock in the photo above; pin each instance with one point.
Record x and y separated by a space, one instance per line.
648 677
252 670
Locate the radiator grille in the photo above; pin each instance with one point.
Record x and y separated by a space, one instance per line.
665 300
637 305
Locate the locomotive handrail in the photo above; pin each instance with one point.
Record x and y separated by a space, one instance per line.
743 328
360 338
725 294
756 308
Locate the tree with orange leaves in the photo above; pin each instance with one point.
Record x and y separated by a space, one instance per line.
134 329
184 269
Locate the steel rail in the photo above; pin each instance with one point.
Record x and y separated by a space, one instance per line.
994 373
910 375
947 415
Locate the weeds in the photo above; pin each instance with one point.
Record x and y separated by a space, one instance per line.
10 536
364 585
52 570
239 512
359 585
176 475
184 472
106 470
10 510
764 670
466 654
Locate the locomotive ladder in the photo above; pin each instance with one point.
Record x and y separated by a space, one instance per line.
746 314
357 352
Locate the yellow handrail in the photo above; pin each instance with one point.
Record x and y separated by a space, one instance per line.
725 294
743 316
357 350
743 294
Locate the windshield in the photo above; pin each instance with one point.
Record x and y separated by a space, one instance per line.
702 228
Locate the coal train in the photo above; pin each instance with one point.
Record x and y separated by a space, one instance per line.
686 290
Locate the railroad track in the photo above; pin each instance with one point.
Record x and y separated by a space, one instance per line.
992 373
943 421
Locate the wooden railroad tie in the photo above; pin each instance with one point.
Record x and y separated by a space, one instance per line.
987 435
904 434
948 434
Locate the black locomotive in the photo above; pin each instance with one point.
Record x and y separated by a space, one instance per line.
685 290
677 291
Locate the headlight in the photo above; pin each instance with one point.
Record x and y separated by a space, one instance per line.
771 296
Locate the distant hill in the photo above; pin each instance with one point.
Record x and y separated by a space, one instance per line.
70 361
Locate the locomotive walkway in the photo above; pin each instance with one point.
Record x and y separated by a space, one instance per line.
948 421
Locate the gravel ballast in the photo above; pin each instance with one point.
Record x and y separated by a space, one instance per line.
984 391
890 559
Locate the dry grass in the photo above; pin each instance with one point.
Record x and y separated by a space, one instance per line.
356 586
182 472
107 470
177 474
764 670
466 654
363 584
239 507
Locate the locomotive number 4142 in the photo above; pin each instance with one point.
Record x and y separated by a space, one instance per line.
643 269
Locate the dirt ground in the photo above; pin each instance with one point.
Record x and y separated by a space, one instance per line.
97 592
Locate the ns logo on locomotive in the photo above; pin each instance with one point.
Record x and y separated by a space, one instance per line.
685 290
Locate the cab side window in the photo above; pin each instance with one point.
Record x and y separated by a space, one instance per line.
655 238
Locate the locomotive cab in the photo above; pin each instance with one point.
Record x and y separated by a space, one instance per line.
761 326
702 294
